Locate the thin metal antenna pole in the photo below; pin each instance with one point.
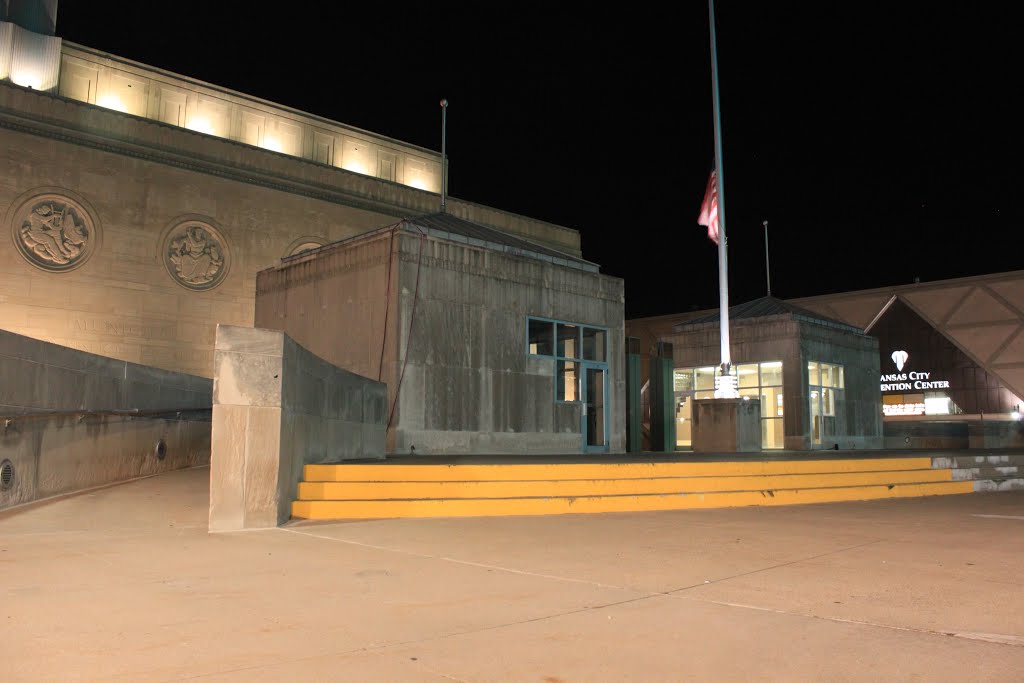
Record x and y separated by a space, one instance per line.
767 264
444 156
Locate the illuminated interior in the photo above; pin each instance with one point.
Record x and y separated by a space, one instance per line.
921 403
755 380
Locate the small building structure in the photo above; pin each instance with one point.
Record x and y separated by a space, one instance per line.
816 378
489 343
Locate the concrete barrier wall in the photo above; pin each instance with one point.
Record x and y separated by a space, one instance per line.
920 434
57 433
38 376
277 407
955 434
59 455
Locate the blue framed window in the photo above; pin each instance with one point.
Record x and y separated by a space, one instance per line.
568 344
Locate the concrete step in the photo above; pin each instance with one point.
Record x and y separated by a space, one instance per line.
992 484
980 460
401 472
474 507
533 488
982 467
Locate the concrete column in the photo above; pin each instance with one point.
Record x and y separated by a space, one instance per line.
663 409
633 416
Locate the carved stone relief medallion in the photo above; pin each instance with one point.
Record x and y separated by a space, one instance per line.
196 255
54 232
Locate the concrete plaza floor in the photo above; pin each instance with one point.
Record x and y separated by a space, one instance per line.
125 584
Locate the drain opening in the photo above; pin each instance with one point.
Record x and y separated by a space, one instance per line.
6 474
160 450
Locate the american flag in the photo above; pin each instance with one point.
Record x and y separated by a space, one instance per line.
709 209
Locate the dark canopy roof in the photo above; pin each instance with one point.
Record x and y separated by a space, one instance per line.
765 307
447 226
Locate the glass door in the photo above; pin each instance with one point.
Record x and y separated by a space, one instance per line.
815 400
595 407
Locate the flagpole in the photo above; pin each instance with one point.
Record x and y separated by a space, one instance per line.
767 265
725 382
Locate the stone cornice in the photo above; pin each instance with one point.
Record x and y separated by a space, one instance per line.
76 50
59 118
48 129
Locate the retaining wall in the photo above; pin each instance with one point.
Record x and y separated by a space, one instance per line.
71 420
277 407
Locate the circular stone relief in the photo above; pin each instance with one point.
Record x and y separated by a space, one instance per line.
196 255
54 232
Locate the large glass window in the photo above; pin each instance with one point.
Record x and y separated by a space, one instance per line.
541 337
568 341
746 375
825 385
567 345
771 374
705 378
772 434
594 344
756 380
567 381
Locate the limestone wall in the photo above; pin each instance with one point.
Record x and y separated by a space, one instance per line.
132 239
276 408
64 426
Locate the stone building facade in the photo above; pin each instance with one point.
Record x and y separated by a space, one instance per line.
138 205
488 343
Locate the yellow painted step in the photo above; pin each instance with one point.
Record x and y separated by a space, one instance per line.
591 504
645 470
606 487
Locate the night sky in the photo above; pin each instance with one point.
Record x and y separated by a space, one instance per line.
881 145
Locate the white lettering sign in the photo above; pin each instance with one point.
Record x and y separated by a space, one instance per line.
909 381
